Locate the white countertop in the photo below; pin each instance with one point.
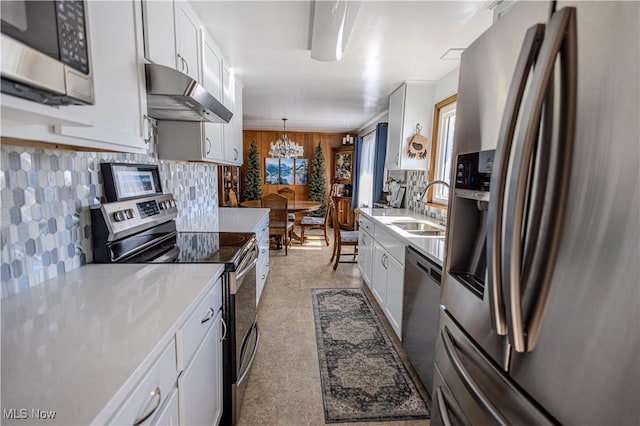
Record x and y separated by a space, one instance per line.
239 219
72 343
431 247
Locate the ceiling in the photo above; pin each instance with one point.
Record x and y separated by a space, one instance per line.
392 41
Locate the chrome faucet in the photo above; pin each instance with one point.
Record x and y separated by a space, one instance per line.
429 185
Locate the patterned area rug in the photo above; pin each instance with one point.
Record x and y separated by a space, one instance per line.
363 378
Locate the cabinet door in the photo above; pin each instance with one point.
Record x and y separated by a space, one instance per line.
365 254
187 40
396 119
395 289
379 277
211 67
159 37
200 385
232 153
237 123
213 148
118 73
169 414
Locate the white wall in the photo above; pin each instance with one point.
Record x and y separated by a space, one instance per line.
446 86
417 180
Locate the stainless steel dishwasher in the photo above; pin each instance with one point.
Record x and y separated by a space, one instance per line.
420 313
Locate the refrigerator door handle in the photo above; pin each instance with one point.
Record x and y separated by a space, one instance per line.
561 39
528 54
467 379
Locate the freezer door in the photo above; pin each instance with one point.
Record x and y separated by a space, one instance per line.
584 366
445 410
478 390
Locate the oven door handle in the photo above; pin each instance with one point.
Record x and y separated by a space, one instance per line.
248 263
253 355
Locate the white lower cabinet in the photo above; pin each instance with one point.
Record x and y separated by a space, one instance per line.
381 263
379 278
183 386
395 291
262 268
365 255
200 384
150 394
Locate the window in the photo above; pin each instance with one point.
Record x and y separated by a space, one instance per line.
442 152
365 181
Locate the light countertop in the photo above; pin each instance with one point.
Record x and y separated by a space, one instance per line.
239 219
72 343
431 247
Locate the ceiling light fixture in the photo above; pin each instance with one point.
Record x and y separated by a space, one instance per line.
285 147
331 26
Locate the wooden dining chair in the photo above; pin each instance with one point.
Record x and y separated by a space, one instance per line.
287 193
341 238
279 225
233 199
313 222
290 195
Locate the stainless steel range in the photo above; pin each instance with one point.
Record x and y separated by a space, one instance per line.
137 225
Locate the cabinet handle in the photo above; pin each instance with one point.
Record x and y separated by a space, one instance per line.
208 146
184 63
181 61
155 393
235 154
224 328
208 316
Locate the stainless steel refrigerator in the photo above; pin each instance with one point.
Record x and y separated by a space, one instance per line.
540 305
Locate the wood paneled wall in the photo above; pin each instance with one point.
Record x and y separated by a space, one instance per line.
308 140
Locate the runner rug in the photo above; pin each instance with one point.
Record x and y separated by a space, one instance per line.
362 375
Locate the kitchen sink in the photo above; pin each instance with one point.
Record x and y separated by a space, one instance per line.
427 233
420 228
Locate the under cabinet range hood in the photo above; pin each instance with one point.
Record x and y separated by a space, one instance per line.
172 95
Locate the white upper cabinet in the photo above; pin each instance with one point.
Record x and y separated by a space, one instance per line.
159 37
410 105
187 32
212 67
213 148
232 99
237 123
119 113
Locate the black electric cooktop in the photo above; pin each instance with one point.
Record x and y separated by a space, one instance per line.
226 248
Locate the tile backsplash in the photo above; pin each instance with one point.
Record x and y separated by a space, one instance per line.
45 197
416 182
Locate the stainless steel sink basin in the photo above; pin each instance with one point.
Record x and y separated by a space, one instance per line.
427 233
419 228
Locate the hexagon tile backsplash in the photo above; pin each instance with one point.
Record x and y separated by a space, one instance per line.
45 197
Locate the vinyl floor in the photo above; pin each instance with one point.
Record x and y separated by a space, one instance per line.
284 383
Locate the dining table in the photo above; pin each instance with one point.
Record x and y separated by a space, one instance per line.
297 207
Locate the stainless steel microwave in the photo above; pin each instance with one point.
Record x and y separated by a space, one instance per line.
46 55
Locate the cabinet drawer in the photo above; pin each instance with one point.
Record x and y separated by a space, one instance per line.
152 390
366 224
194 329
262 229
390 243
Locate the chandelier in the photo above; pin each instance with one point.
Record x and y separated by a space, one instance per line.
285 147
